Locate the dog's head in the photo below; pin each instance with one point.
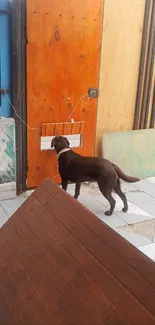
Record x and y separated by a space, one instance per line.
60 143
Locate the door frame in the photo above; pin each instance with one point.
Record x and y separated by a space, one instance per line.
18 25
146 69
19 89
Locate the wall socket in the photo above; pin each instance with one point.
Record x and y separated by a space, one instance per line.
93 92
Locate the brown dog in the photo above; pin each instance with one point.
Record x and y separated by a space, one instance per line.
76 168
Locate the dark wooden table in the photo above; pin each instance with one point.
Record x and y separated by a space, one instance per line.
59 264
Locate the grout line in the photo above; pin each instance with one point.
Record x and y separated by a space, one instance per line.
4 210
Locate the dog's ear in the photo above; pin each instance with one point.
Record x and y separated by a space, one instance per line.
53 142
67 141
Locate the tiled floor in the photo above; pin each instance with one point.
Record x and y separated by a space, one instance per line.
148 250
137 225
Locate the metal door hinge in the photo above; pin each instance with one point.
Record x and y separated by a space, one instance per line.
26 168
26 35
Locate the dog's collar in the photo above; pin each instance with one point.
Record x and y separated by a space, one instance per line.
62 151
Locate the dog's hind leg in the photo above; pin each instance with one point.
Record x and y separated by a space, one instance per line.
119 192
64 184
77 190
112 202
106 191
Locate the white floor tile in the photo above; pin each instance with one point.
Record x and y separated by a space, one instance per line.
28 193
128 187
135 239
3 217
148 250
131 218
136 210
112 221
147 187
151 179
93 205
10 206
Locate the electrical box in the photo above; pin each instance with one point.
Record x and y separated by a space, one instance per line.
93 92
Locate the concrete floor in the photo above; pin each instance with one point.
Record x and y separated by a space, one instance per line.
137 225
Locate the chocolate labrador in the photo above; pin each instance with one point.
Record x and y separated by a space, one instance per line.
77 169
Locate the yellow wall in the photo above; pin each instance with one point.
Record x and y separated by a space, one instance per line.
121 47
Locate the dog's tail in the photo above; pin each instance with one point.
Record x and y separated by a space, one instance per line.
125 177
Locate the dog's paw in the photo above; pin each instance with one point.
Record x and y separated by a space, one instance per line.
108 213
125 209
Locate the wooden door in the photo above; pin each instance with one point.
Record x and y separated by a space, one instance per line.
63 61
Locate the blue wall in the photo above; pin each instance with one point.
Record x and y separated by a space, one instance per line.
5 57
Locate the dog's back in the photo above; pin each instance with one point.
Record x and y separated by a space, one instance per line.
73 167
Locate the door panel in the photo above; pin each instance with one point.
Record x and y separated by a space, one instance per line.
63 61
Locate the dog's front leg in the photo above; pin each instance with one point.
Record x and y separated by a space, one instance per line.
64 184
77 190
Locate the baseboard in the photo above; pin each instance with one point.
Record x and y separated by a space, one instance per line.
7 191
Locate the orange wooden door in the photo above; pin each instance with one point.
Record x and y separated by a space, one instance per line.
63 61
